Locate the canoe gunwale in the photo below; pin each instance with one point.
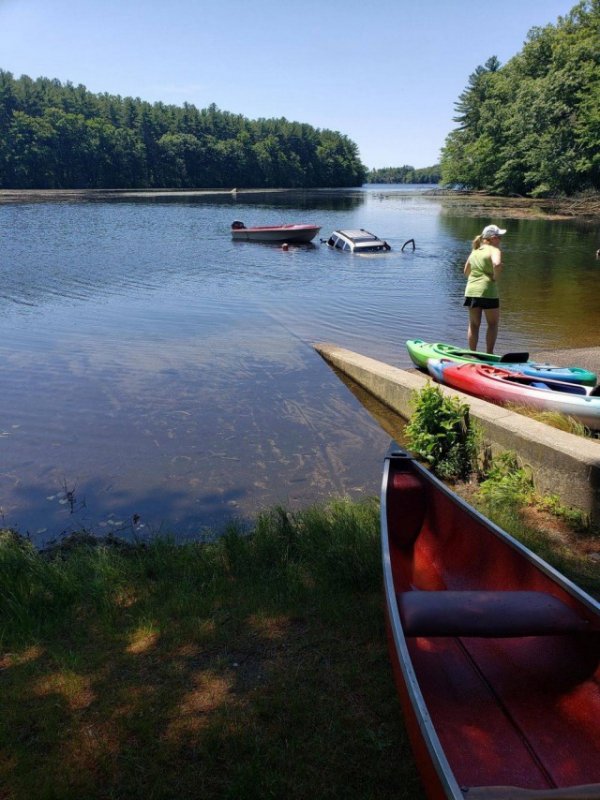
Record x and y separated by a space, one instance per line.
421 713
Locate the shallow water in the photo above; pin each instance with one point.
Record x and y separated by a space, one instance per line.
158 376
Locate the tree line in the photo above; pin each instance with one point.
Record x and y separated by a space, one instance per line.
61 136
532 126
405 174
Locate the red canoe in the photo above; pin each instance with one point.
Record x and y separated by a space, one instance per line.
496 655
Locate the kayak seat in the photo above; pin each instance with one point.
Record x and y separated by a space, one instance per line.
514 358
486 614
539 385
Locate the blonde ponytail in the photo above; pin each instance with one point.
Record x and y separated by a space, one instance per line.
477 242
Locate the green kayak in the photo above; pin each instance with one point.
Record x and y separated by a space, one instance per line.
421 351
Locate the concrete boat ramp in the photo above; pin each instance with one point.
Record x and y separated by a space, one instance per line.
563 464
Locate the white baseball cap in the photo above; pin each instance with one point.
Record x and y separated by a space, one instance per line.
492 230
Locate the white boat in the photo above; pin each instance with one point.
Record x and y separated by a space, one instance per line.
357 241
274 233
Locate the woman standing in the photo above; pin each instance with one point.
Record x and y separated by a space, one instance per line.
483 269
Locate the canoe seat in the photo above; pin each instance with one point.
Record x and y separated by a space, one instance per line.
483 613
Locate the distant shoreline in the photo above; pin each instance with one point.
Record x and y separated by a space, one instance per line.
44 195
585 207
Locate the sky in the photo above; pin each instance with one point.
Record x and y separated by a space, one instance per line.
386 73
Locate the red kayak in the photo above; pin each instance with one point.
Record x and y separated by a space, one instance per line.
503 387
496 655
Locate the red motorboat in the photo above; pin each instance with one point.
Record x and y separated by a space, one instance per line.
503 386
292 233
496 655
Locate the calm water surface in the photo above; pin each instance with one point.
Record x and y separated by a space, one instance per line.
157 376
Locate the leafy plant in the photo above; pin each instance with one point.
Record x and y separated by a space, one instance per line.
442 433
508 482
574 517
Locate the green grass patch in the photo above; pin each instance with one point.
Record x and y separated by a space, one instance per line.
554 419
252 667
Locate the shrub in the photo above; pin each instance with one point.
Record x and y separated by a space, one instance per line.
441 432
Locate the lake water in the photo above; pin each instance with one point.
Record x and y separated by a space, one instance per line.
157 376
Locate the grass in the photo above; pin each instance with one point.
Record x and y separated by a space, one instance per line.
252 667
554 419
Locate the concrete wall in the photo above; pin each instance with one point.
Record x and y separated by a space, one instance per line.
562 463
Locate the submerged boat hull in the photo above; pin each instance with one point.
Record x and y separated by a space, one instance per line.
505 387
496 655
420 353
292 234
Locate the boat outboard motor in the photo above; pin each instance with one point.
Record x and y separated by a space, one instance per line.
237 225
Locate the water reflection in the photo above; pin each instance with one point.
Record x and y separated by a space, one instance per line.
390 422
548 286
298 200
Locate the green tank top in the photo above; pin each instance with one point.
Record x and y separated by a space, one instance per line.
480 283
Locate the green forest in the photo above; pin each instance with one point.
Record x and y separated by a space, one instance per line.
405 174
532 126
61 136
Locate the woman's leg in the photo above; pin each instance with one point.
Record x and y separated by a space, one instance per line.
492 317
473 331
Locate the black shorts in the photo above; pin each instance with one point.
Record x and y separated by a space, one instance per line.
482 302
